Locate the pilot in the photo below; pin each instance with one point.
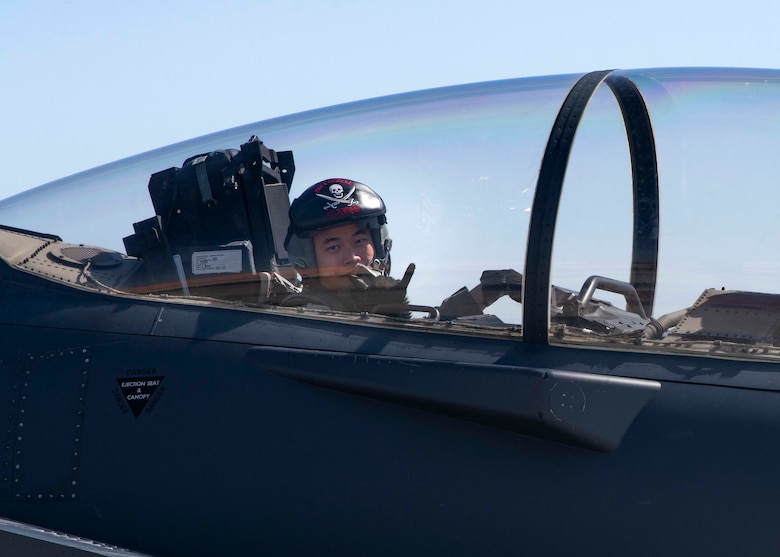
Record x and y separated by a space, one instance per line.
338 242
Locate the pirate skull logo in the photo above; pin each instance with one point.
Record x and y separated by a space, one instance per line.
338 197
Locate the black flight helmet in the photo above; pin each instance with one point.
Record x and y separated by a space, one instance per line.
330 203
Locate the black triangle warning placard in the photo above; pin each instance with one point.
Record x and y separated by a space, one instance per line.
138 391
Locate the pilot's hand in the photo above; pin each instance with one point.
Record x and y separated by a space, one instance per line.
364 277
374 289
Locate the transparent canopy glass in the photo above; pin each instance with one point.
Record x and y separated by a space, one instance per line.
458 169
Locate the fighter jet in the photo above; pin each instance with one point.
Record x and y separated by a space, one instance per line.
584 358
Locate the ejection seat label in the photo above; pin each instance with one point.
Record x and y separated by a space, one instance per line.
211 262
140 391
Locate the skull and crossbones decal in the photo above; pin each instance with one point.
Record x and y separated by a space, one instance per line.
338 197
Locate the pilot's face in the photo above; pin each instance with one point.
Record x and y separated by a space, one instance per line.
338 250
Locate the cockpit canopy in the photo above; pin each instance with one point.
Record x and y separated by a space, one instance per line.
641 212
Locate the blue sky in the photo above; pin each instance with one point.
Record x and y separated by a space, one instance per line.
86 82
